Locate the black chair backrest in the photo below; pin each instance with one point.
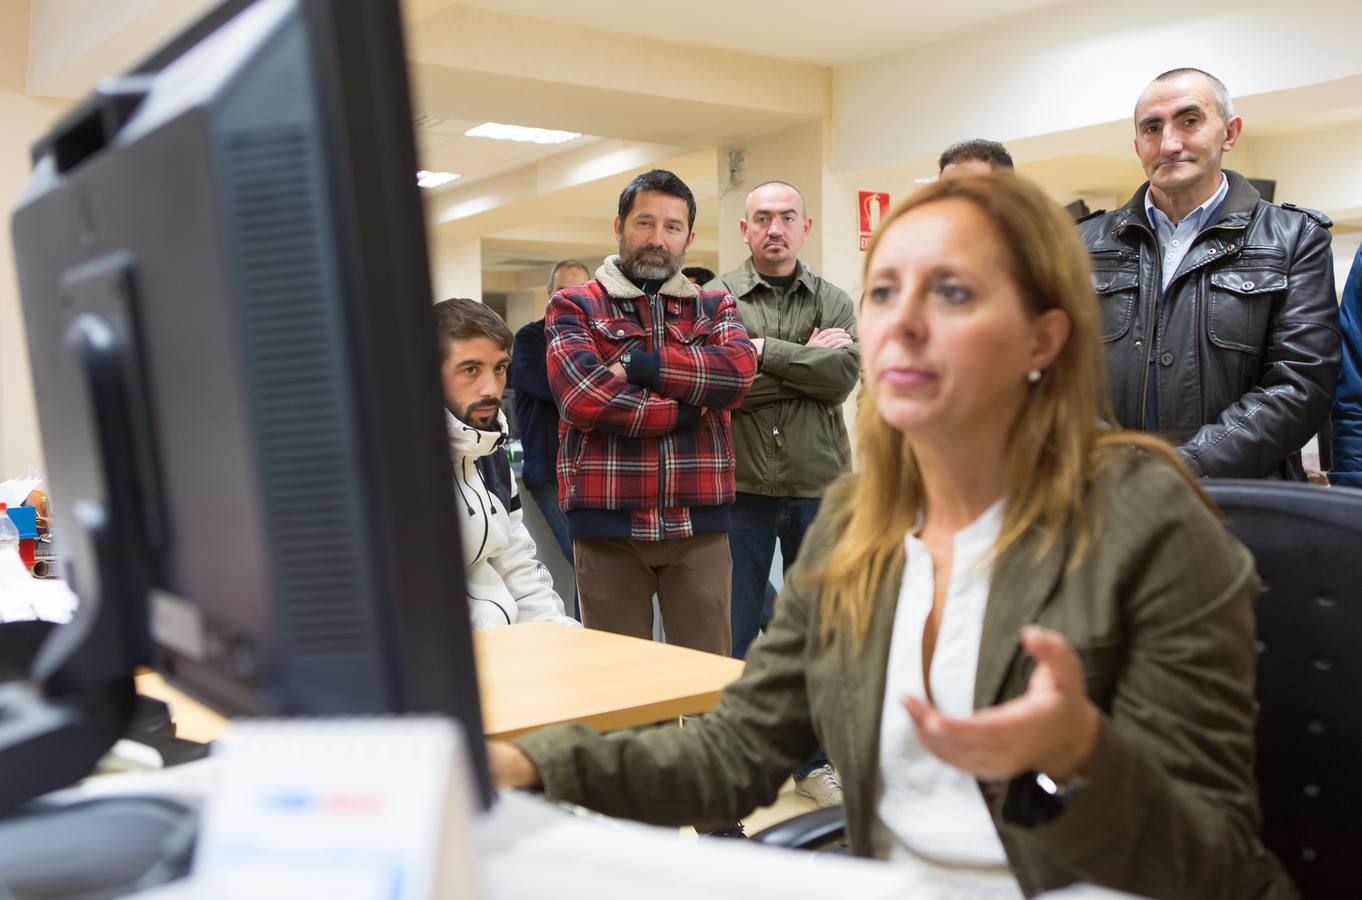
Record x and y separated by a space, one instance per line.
1307 542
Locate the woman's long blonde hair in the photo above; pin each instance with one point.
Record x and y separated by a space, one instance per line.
1056 441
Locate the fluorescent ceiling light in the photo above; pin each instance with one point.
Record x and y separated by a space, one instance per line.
930 179
434 179
498 132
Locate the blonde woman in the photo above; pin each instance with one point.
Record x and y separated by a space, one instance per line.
1025 641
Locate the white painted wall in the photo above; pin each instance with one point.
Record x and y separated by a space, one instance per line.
793 155
74 43
1345 248
1320 169
22 120
1076 66
455 266
524 307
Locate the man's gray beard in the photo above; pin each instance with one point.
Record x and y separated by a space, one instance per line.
641 271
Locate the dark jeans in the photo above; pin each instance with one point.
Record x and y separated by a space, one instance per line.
757 523
546 498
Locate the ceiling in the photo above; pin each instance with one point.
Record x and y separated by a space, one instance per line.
442 147
811 31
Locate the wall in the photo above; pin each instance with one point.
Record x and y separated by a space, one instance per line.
455 266
1096 58
793 155
22 120
73 43
1321 168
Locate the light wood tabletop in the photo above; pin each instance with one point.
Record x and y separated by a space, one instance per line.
537 674
193 721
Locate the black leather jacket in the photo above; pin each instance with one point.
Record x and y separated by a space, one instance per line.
1244 344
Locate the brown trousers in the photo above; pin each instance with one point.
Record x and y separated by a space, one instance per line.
692 577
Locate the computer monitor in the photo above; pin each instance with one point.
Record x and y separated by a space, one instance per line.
1077 209
226 291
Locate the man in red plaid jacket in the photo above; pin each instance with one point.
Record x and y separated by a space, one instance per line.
645 367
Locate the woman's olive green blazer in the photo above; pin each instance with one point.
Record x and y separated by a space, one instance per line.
1161 613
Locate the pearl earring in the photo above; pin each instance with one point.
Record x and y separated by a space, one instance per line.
1033 376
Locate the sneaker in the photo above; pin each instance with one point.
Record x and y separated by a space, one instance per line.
821 785
726 831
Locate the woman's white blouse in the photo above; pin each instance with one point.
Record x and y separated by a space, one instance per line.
927 811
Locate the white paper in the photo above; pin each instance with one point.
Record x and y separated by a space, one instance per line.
348 809
613 860
15 491
618 861
23 597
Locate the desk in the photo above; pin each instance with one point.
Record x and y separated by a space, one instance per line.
193 721
537 674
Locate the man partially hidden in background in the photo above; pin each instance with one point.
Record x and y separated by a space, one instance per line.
976 157
505 583
537 414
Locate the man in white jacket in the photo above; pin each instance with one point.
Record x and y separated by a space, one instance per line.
506 584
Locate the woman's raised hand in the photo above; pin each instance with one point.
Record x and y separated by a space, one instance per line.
1052 728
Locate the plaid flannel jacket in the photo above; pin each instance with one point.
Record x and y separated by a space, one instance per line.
655 444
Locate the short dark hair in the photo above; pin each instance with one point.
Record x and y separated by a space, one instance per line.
461 319
566 264
1219 93
991 152
663 182
698 273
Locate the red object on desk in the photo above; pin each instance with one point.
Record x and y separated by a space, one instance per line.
25 520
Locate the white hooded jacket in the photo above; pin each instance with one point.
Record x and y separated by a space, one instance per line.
506 584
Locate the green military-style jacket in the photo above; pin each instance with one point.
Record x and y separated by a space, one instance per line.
1161 613
789 437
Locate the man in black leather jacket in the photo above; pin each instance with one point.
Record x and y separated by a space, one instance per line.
1218 310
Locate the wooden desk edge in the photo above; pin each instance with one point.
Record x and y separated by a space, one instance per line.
616 719
193 721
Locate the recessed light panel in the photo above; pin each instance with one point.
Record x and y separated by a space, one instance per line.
499 132
434 179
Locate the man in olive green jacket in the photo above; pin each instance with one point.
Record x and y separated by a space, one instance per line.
789 437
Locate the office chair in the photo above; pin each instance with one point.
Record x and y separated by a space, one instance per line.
806 831
1307 543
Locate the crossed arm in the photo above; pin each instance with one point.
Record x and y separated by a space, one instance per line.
714 374
590 396
663 390
823 369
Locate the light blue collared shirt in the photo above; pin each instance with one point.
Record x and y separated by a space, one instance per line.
1176 240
